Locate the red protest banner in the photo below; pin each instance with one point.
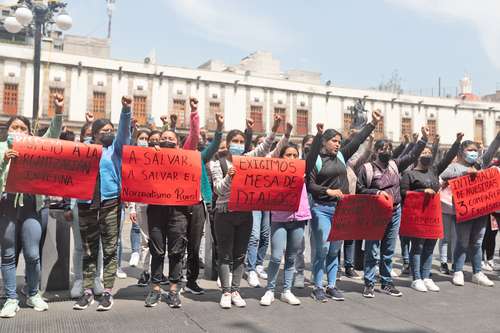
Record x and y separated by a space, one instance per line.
169 177
477 194
54 167
266 184
361 216
422 216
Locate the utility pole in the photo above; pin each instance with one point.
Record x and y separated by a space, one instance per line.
111 8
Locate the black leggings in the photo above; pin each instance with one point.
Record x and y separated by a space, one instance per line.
489 242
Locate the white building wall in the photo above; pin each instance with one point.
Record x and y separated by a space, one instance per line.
159 100
28 92
78 100
119 88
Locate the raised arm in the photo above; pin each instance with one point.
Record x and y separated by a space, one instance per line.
193 138
248 135
123 133
450 155
283 141
490 153
435 147
56 124
211 149
263 149
314 151
349 149
403 162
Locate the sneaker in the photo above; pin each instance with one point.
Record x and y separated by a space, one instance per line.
194 288
394 274
458 278
406 269
444 269
153 298
369 291
106 302
144 279
165 281
173 300
268 298
492 264
485 266
253 279
10 308
419 285
225 301
334 294
431 286
289 298
237 300
482 280
183 279
319 295
261 272
352 274
98 287
298 281
121 274
389 289
84 302
77 289
37 303
134 259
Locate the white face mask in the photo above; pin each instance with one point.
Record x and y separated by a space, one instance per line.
142 143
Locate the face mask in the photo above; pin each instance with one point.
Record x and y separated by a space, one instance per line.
142 143
236 149
152 144
426 160
471 157
385 157
167 144
14 136
107 139
87 139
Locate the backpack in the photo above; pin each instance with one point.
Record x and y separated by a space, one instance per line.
369 171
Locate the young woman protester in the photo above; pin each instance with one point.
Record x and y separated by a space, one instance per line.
327 182
100 219
233 228
20 219
470 233
425 178
381 177
287 236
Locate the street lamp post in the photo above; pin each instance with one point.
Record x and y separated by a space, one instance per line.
36 15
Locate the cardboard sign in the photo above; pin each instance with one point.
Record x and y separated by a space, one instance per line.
54 167
169 177
476 195
422 216
360 217
266 184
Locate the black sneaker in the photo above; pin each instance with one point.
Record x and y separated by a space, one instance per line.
194 288
406 269
319 295
369 291
444 268
173 299
84 302
334 294
352 274
164 281
391 290
106 302
153 298
144 279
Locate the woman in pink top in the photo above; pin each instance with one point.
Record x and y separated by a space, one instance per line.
287 235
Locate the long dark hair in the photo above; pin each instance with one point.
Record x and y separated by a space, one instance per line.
98 124
232 134
289 145
25 120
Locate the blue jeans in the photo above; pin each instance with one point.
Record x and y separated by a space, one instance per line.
348 253
259 239
470 236
286 237
326 253
421 257
384 250
449 238
135 237
405 248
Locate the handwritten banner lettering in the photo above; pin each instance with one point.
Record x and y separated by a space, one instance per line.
266 184
422 216
168 177
54 167
360 217
477 194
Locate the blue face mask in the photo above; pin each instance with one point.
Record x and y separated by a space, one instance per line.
87 139
236 149
14 136
471 156
142 143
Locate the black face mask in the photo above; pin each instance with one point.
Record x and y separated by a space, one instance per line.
167 144
152 144
107 139
385 157
426 160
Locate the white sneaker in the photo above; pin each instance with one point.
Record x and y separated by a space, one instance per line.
290 298
77 290
482 280
237 300
225 301
394 274
134 259
458 278
419 285
253 279
121 274
268 298
37 303
98 287
492 264
485 266
431 286
10 308
261 272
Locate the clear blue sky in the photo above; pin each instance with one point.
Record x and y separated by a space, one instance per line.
355 43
